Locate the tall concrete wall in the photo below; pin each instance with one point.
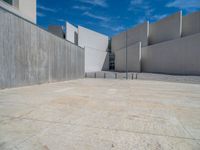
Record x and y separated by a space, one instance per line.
30 55
134 35
133 58
96 45
180 56
166 29
23 8
71 32
191 24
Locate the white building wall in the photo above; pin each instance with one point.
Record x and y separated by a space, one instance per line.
23 8
70 32
96 45
28 8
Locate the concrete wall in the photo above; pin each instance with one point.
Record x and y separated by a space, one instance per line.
191 24
166 29
133 58
71 32
23 8
92 39
56 30
30 55
28 8
96 60
134 35
96 44
180 56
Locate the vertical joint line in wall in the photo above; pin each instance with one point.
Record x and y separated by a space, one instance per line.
181 23
126 57
140 56
148 32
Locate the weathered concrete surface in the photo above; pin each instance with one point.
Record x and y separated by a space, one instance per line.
191 24
166 29
133 58
134 35
30 55
180 56
108 114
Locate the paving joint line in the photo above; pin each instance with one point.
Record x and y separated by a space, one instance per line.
128 131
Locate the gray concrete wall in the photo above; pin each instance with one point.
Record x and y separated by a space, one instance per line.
134 35
57 30
30 55
166 29
191 24
133 58
180 56
96 45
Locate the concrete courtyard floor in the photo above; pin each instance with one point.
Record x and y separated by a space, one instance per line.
101 114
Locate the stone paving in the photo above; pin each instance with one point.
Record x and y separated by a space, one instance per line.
92 114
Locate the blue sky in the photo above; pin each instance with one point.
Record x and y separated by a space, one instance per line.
109 16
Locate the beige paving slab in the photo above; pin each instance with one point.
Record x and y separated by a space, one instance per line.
77 137
101 114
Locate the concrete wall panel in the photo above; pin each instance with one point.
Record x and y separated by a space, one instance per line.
95 60
180 56
133 58
28 8
92 39
70 32
57 30
118 42
191 24
134 35
166 29
96 45
30 55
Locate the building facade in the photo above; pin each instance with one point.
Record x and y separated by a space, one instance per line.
23 8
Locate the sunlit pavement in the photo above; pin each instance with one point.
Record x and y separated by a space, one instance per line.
101 114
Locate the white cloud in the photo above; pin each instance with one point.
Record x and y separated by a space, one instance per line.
188 5
80 7
101 3
61 20
118 28
102 18
158 17
136 2
39 14
46 8
110 26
